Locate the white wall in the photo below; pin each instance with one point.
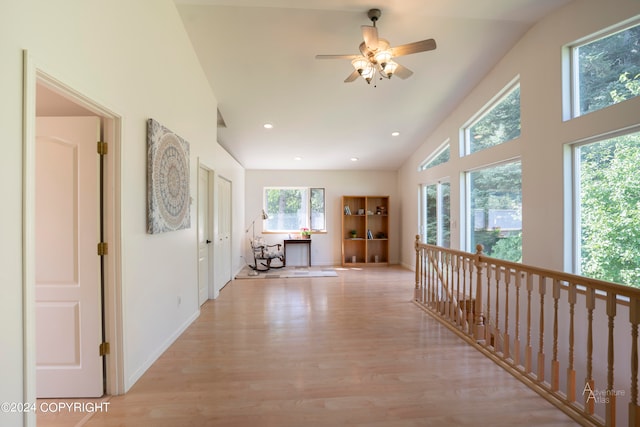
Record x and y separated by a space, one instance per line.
326 248
537 59
134 58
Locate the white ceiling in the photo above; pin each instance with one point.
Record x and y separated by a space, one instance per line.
259 56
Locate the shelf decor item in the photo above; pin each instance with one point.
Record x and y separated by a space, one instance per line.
305 233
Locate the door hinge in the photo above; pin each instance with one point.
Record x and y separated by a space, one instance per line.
102 148
103 248
105 348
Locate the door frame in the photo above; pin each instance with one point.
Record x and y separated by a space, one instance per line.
211 252
35 74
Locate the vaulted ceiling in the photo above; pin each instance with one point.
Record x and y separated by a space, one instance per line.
259 57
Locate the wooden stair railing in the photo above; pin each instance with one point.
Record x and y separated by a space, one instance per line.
565 336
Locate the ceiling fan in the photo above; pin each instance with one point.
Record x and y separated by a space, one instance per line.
377 55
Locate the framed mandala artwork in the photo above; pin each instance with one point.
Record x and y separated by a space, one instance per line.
168 198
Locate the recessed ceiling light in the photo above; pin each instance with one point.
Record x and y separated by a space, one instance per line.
354 159
268 126
395 133
297 158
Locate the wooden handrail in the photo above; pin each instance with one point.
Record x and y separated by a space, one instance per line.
574 324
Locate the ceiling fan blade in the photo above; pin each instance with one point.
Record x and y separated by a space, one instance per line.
352 77
370 36
415 47
402 72
336 56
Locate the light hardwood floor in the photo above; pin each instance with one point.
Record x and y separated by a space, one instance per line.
352 350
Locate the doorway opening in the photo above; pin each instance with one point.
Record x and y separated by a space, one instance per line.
45 95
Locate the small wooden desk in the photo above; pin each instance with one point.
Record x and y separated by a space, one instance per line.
298 242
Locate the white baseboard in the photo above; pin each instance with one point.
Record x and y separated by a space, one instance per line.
135 376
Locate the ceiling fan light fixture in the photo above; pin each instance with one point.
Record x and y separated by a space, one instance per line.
360 64
383 56
376 54
368 72
389 68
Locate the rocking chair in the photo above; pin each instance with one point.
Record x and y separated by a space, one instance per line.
266 254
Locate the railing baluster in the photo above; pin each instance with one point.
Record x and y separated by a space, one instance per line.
423 281
439 282
528 349
453 305
465 314
506 351
430 282
426 270
488 331
542 290
450 296
555 364
425 277
460 291
571 373
472 300
479 317
516 341
589 404
445 283
496 332
634 319
416 291
459 313
457 294
611 403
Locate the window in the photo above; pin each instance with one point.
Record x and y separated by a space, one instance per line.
293 208
436 219
499 123
606 70
494 213
438 157
607 243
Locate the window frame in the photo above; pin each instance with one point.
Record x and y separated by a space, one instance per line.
572 50
309 210
439 208
427 163
467 211
465 134
573 262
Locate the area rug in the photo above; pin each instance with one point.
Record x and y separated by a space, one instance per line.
288 272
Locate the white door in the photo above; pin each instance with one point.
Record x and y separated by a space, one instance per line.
223 243
68 309
204 236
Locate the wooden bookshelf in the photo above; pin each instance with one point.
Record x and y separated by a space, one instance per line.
368 216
